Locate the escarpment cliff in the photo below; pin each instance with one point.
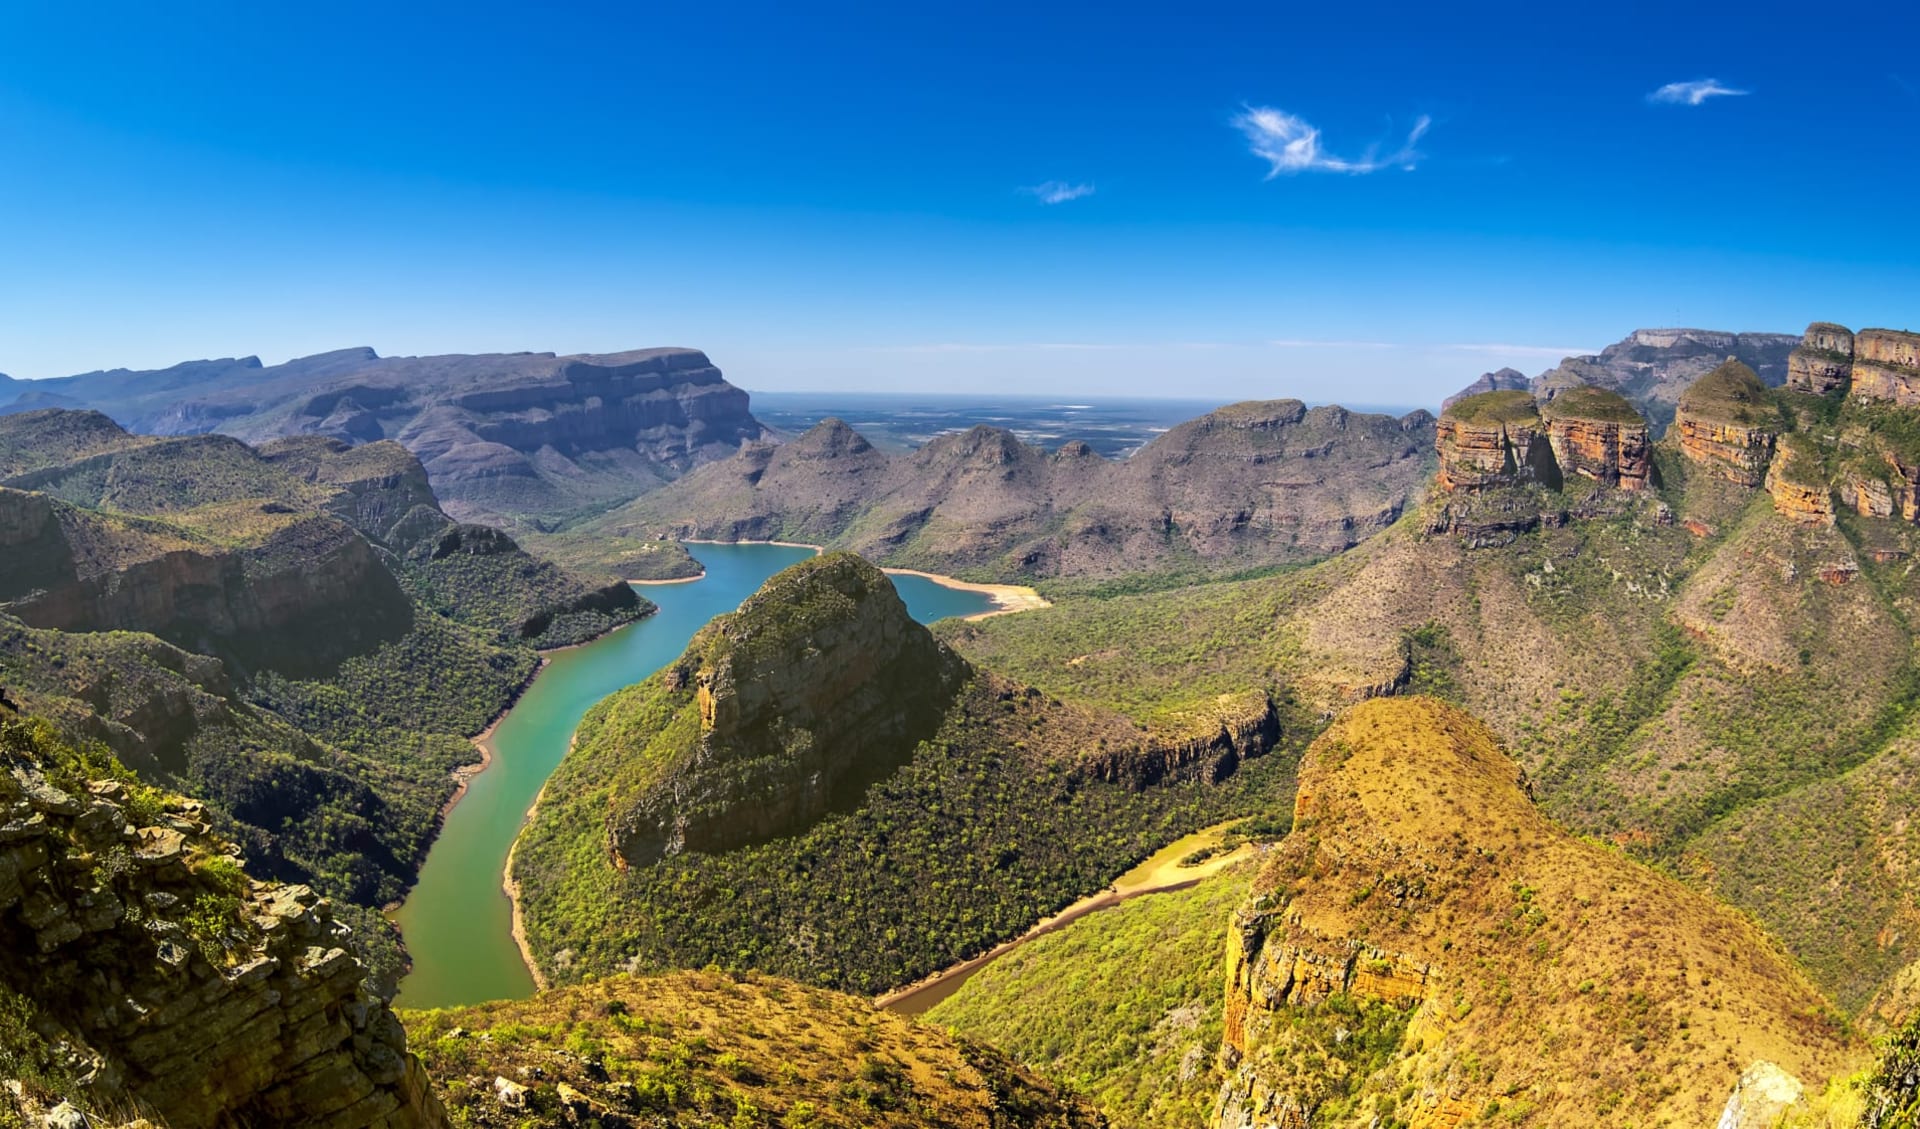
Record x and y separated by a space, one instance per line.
820 684
155 975
1823 362
1249 485
1424 943
500 435
1597 435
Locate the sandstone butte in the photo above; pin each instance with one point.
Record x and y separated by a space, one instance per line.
1727 424
1506 438
1426 946
1824 361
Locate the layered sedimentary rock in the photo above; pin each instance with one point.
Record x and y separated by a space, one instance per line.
1423 915
1795 481
499 434
1886 366
1823 362
1727 425
1652 367
1596 434
1493 439
173 981
820 684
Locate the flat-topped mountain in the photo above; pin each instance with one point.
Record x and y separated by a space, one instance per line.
1247 486
1423 915
505 435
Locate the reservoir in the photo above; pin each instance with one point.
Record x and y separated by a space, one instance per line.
457 922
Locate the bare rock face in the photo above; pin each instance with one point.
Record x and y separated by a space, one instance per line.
1795 483
1824 360
177 982
1726 425
1886 366
1596 434
820 684
1494 439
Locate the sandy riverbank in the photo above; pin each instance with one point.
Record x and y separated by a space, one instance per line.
1161 873
1007 598
674 580
512 890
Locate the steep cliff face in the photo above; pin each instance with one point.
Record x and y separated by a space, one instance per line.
1823 362
158 974
1249 485
1494 439
820 684
1598 435
1727 424
1886 366
1799 489
1424 944
501 435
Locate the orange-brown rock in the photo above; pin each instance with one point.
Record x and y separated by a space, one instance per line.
1425 942
1886 366
1794 480
1598 435
1493 439
1824 360
1727 424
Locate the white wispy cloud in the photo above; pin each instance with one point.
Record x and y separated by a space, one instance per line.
1693 93
1522 350
1058 191
1291 144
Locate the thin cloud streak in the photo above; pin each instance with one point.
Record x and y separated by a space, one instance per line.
1290 144
1693 93
1058 191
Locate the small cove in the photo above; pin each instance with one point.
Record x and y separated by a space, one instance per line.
457 921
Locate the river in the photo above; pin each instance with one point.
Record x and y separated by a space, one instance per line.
457 922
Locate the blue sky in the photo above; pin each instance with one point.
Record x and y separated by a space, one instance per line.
1357 202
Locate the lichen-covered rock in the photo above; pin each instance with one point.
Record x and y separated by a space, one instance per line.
1886 366
179 984
1794 480
820 684
1727 424
1824 360
1597 434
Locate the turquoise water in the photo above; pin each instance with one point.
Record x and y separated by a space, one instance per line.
458 922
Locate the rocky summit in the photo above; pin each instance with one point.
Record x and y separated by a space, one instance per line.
1728 424
1424 946
503 435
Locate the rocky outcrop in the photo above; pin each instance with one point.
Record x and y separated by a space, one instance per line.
1424 943
1727 425
1823 362
1596 434
499 434
1494 439
1795 481
786 709
1886 366
1207 748
1651 368
166 978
